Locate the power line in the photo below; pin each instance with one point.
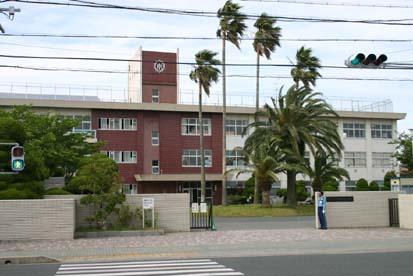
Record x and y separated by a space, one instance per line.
200 38
89 4
333 4
83 70
407 67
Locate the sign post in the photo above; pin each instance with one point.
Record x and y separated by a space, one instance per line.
148 203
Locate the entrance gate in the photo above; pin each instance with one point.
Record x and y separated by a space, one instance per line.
201 220
394 212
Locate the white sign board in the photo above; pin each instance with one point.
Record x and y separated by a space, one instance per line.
195 207
204 208
148 202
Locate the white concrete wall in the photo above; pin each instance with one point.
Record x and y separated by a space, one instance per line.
406 211
135 78
172 209
369 209
37 219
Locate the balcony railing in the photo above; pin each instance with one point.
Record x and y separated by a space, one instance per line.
112 94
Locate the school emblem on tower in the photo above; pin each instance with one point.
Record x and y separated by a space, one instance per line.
159 66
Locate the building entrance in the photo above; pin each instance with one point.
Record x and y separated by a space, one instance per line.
194 189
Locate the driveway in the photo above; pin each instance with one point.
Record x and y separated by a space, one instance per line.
263 223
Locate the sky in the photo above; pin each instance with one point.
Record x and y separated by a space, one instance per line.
47 19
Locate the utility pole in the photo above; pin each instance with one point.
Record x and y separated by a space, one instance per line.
9 13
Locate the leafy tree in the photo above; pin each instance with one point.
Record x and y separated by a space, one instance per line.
296 120
330 186
387 178
248 191
231 28
306 68
374 186
325 170
404 152
98 176
362 185
204 73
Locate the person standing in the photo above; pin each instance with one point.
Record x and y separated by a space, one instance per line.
321 210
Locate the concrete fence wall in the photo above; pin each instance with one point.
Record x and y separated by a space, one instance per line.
37 219
172 210
406 211
369 209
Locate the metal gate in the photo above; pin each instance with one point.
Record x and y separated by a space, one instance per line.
394 212
202 220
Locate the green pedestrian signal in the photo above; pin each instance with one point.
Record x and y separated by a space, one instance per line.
17 158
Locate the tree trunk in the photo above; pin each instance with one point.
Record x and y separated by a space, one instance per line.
224 134
201 146
291 189
257 106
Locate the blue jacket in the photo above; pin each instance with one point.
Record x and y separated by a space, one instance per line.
322 202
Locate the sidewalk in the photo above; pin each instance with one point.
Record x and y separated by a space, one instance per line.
217 244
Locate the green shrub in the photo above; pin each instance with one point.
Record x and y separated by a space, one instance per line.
3 185
57 191
362 185
387 177
124 216
374 186
301 191
236 199
330 186
13 193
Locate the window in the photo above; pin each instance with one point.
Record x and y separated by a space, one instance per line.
84 124
190 126
354 130
192 158
381 130
355 159
121 156
155 138
129 123
235 127
382 159
155 95
117 123
235 158
350 185
155 166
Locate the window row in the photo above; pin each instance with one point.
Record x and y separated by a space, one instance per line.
122 157
358 130
359 159
192 158
117 123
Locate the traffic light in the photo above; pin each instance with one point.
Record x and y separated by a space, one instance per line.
361 61
17 158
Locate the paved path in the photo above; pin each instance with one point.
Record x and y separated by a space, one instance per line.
192 267
229 243
250 223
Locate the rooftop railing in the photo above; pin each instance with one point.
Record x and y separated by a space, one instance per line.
113 94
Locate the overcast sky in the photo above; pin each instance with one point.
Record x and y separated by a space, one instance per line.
69 20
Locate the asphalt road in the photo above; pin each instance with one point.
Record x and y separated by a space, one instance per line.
371 264
249 223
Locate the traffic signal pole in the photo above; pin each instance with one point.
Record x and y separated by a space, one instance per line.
9 12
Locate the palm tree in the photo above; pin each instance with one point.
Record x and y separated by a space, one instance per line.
300 119
231 28
266 39
265 162
205 72
325 170
306 68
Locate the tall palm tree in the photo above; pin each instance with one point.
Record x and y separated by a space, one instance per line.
306 69
266 39
325 170
204 73
231 28
300 119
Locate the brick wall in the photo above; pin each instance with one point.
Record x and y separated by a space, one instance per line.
119 140
406 211
172 142
172 210
37 219
369 209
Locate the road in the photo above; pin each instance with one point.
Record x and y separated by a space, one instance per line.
362 264
250 223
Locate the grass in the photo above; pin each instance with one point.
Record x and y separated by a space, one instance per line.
252 210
